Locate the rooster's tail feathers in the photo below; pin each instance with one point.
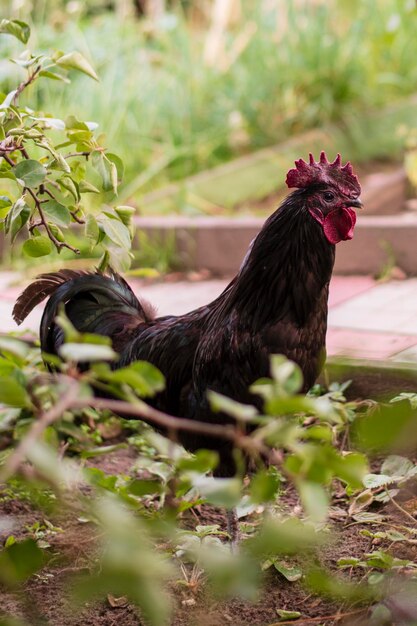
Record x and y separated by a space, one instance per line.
94 302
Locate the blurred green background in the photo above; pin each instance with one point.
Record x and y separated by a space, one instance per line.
185 86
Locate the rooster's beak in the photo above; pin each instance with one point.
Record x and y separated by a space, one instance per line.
357 204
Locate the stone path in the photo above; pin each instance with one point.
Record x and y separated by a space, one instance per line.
366 319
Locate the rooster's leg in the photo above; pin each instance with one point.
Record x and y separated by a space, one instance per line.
233 527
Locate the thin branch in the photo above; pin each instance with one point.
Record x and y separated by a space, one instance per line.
399 507
34 225
144 411
8 159
45 419
26 83
85 154
58 244
43 189
169 423
323 618
50 194
75 217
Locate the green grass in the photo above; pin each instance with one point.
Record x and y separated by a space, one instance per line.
168 115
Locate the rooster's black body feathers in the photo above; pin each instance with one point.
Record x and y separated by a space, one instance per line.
277 303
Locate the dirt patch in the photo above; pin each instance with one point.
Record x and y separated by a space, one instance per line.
45 598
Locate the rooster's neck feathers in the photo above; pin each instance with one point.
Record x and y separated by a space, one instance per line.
285 271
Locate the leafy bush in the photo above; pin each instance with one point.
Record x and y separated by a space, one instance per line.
45 163
142 547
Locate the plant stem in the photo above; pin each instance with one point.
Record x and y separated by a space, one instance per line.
75 217
45 419
58 244
141 410
8 159
25 84
85 154
400 508
323 618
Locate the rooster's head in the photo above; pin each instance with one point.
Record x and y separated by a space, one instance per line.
332 191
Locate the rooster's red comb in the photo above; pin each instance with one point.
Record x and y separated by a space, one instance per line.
306 174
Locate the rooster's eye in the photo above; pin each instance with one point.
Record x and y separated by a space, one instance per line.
328 196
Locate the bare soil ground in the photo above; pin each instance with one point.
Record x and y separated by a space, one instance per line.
45 598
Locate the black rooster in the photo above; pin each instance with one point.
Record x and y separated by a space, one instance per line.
277 303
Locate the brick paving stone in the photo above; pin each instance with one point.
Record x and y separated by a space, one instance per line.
7 323
406 356
390 307
7 279
366 345
343 288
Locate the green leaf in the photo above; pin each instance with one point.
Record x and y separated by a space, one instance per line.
241 412
7 173
203 461
53 76
100 479
374 481
19 561
351 469
113 177
76 61
73 123
315 499
291 536
388 427
361 502
17 28
398 466
117 161
107 170
51 122
116 231
381 559
264 486
287 615
17 217
70 185
19 222
292 574
286 373
119 258
92 230
86 187
7 101
6 367
12 393
125 214
85 352
141 488
57 212
351 561
31 172
144 378
14 346
59 162
219 491
37 246
102 167
5 204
